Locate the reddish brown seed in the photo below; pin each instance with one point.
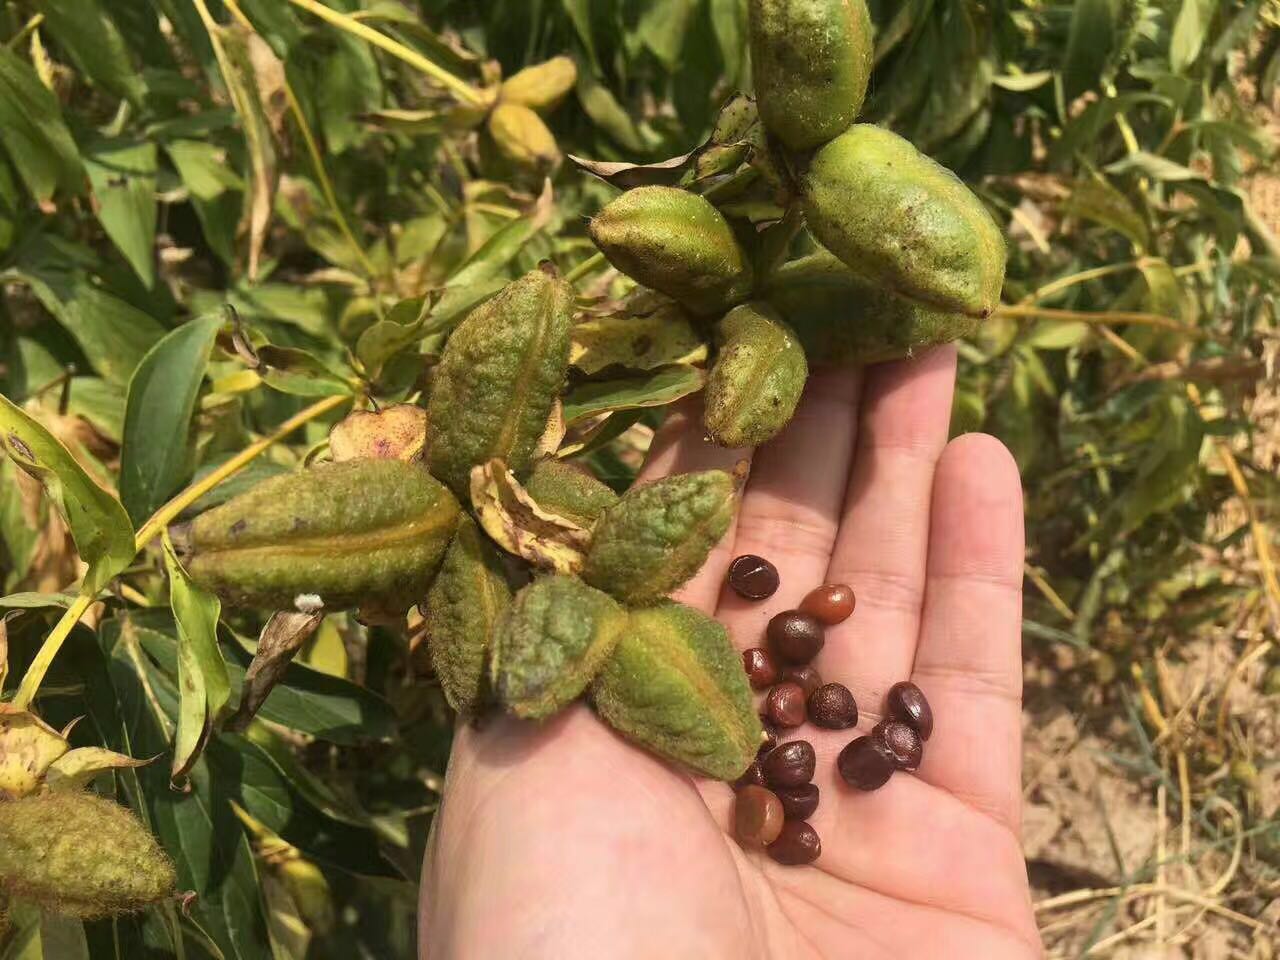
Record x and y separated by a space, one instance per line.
807 676
799 803
797 844
790 765
785 705
794 636
831 603
902 742
752 577
761 669
906 702
865 763
758 816
832 706
753 775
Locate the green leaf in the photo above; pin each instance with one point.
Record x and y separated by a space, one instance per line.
1089 46
123 177
1099 201
657 389
32 130
296 372
85 31
663 27
156 457
1189 32
213 187
98 522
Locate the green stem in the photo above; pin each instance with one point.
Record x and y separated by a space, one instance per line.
586 267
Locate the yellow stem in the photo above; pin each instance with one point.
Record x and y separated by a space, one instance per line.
1103 317
49 649
28 28
1084 276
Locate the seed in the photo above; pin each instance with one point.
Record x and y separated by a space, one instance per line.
752 577
758 816
865 763
797 844
785 705
799 803
831 603
790 765
832 706
906 702
795 637
753 775
902 742
807 676
761 669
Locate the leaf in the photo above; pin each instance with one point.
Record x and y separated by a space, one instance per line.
280 640
663 27
123 178
85 31
77 768
517 524
99 524
625 176
1169 468
33 132
663 386
156 457
1153 166
1083 132
212 186
599 103
1189 32
1090 43
636 342
1098 200
298 373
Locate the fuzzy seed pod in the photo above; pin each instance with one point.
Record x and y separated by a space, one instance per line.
523 138
811 60
677 243
659 535
80 855
502 370
542 86
568 491
904 222
676 686
758 377
368 532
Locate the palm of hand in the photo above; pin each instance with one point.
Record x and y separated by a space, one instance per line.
562 841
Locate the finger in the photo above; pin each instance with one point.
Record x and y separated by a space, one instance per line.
969 659
790 511
884 535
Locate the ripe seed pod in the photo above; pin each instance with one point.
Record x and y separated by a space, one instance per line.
502 370
757 379
675 685
523 138
463 609
811 60
367 532
542 86
677 243
569 491
551 642
659 535
80 855
903 221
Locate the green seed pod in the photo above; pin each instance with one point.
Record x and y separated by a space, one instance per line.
542 86
551 643
361 532
80 855
502 370
568 491
659 535
677 243
676 686
758 377
523 137
463 608
904 222
841 318
811 60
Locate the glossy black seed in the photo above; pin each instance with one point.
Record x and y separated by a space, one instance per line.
866 763
799 803
790 765
754 578
797 844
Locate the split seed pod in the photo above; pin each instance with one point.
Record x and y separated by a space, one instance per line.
569 491
542 86
758 377
523 138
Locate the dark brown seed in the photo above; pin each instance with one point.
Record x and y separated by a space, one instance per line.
865 763
799 802
761 669
906 702
790 765
753 577
832 706
785 705
794 636
758 817
902 742
831 603
797 844
807 676
754 775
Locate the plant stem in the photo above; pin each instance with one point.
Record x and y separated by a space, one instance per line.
49 649
28 28
588 266
1103 317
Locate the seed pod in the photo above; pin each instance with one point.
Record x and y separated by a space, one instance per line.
502 370
542 86
658 535
366 532
551 643
523 137
904 222
80 855
811 60
843 319
757 380
675 685
463 608
677 243
569 491
396 433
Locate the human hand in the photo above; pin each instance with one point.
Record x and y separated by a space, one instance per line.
562 840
